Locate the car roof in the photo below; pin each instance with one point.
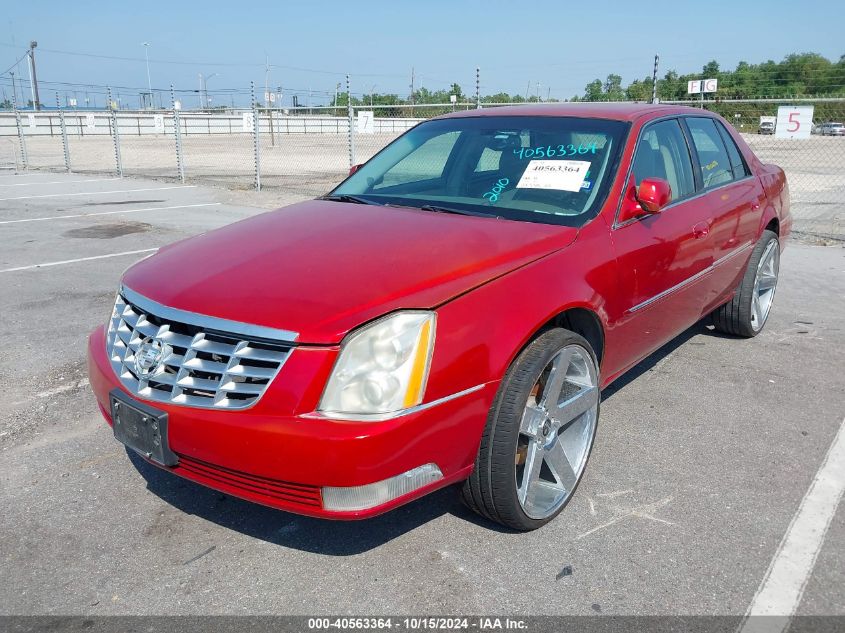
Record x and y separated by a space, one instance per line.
619 111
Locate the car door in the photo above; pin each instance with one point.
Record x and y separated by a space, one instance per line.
661 258
734 198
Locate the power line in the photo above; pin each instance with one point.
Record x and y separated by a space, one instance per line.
19 60
204 63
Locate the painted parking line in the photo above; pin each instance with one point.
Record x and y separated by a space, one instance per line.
780 592
35 174
96 193
86 215
74 261
55 182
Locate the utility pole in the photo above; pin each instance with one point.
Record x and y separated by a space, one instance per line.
36 104
202 99
413 94
266 81
14 89
538 93
654 80
146 46
205 88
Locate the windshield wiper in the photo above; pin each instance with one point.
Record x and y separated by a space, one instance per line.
439 209
342 197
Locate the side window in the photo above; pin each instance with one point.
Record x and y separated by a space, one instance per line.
712 156
424 163
662 153
740 170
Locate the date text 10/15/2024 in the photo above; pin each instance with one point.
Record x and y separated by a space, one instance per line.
417 623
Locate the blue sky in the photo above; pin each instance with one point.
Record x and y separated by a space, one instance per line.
561 45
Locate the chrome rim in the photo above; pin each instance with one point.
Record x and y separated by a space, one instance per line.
556 432
764 285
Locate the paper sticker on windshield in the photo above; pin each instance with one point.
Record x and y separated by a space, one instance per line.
562 175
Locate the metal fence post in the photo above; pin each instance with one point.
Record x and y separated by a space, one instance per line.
115 135
478 87
255 142
350 112
65 147
654 80
21 140
177 133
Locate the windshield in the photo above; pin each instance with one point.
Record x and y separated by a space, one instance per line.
554 170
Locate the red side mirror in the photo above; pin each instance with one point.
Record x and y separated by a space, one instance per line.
653 194
355 168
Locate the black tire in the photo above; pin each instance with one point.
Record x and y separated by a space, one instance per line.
734 317
491 489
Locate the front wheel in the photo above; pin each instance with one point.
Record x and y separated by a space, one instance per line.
539 433
747 313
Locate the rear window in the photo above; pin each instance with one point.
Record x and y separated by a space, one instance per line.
714 162
738 166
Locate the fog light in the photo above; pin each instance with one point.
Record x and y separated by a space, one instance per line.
372 495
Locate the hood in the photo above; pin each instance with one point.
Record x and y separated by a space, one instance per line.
321 268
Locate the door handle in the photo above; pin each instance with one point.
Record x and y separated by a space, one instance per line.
701 230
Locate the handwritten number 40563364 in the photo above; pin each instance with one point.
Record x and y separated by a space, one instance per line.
550 151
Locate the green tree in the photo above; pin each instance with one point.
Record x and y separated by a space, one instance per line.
593 91
639 90
613 88
710 70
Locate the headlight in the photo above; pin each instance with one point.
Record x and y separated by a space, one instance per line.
383 367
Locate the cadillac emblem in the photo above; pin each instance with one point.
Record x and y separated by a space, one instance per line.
150 355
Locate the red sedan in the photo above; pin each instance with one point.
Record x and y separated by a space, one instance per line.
447 315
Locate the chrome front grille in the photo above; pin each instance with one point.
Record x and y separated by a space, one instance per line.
182 358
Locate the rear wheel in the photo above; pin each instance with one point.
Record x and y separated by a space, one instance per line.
747 313
539 433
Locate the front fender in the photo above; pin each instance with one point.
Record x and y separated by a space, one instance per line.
480 333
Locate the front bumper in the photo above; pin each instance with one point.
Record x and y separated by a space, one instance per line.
275 454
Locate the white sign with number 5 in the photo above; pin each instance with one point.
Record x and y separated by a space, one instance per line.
794 122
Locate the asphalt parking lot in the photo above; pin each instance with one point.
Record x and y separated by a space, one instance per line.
704 454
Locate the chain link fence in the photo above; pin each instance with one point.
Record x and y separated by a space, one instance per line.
306 151
814 166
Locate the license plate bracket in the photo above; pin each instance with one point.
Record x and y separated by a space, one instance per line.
142 428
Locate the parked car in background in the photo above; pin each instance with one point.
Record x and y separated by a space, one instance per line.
832 129
767 127
447 315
